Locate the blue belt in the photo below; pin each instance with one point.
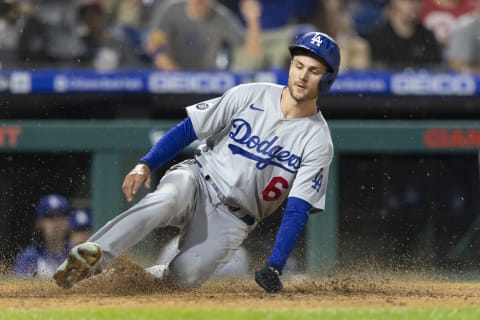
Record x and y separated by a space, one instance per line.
249 220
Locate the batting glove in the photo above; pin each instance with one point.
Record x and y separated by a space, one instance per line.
269 278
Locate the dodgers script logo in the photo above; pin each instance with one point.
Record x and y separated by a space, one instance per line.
275 155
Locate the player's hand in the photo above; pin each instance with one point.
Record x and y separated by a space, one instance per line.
138 176
269 278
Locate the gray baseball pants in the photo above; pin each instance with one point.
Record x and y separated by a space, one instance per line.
209 234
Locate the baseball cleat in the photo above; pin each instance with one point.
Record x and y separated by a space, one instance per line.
79 264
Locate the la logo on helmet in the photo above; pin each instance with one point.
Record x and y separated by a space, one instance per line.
317 39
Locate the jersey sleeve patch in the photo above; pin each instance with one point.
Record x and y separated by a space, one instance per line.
317 180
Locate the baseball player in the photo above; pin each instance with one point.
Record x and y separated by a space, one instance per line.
80 220
265 143
49 245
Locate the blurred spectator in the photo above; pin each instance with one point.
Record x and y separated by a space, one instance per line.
49 35
128 17
274 25
338 23
73 34
326 15
80 221
367 15
402 41
131 17
356 51
10 27
104 48
8 18
463 50
193 35
125 12
441 16
49 246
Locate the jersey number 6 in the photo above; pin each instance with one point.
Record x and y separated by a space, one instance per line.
273 190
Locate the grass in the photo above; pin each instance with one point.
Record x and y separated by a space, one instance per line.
238 314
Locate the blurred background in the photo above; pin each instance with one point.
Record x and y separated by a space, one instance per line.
87 86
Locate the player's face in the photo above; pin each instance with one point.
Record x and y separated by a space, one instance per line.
54 228
304 77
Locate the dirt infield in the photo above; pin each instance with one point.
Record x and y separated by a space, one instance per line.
127 285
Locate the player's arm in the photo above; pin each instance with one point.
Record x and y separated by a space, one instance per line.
164 150
293 223
157 49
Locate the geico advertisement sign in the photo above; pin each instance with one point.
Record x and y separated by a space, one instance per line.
201 82
432 84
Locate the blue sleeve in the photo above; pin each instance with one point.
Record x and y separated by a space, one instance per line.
170 144
293 222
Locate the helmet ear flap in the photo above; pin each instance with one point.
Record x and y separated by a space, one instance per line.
326 82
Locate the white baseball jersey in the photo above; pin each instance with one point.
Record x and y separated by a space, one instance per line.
256 156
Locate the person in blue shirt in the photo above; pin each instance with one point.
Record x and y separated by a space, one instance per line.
49 246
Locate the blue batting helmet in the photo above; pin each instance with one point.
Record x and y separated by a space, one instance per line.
80 219
52 204
323 47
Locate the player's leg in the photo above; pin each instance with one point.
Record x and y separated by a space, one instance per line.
168 205
206 244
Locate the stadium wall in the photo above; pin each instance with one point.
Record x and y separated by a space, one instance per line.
109 148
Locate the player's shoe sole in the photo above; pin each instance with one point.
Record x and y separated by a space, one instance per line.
79 264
